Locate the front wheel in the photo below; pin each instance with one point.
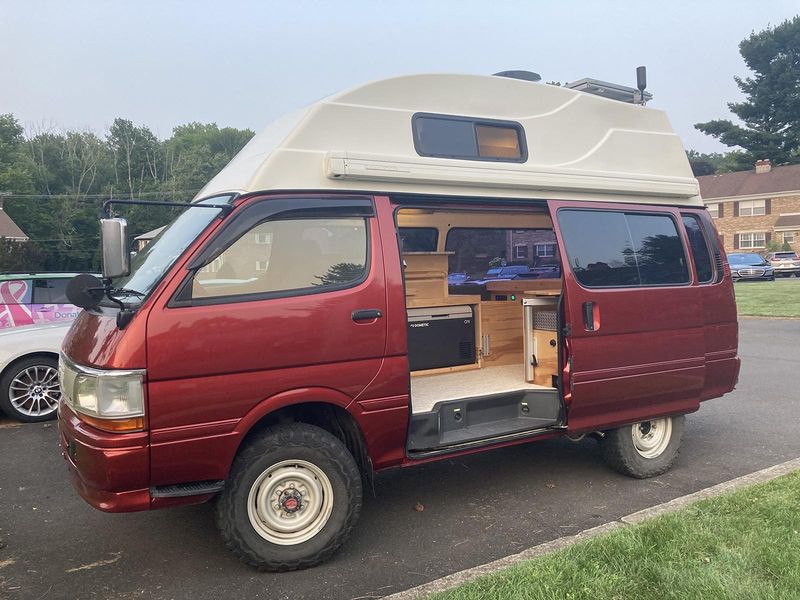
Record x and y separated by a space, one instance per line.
644 449
29 389
292 498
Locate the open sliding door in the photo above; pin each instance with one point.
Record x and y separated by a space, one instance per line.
634 332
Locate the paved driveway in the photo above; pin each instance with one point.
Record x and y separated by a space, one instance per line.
477 509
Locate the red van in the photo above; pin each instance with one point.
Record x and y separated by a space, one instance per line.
294 330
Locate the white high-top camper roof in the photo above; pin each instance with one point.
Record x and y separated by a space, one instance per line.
579 146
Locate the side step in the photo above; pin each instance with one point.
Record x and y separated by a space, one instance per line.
458 422
193 488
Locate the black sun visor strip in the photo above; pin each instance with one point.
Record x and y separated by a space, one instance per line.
280 209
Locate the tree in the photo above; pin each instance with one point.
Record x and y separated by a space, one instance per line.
771 109
14 176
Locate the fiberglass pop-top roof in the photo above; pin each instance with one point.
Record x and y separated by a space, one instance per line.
579 146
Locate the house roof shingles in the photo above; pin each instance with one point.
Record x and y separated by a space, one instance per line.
750 183
791 220
9 229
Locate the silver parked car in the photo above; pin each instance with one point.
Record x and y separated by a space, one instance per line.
29 389
784 263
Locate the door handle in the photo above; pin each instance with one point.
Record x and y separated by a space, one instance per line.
366 314
591 316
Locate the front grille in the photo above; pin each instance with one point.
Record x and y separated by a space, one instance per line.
751 271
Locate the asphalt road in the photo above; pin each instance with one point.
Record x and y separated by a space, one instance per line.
477 509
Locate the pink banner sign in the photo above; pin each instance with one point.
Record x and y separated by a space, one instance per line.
16 308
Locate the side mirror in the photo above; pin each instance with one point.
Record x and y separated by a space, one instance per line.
114 241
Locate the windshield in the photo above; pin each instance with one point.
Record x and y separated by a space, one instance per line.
150 264
750 260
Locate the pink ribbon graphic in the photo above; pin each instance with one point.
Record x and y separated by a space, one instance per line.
12 294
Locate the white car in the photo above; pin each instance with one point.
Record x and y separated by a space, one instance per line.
29 388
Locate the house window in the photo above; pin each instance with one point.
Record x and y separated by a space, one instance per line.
788 237
261 265
263 238
752 208
545 249
749 241
520 251
713 210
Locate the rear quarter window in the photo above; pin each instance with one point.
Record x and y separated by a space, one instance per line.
699 246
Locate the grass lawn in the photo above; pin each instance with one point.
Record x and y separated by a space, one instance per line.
741 545
779 298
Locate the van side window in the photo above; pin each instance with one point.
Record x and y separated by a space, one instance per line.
418 239
50 291
288 257
491 253
450 136
699 246
619 249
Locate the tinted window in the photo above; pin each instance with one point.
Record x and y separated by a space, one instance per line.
484 253
419 239
697 242
460 137
445 137
303 255
50 291
617 249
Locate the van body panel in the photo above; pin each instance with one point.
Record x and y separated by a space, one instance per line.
94 340
646 357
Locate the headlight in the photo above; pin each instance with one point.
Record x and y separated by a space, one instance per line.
107 399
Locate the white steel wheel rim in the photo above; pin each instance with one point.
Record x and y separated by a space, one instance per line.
651 438
290 502
34 391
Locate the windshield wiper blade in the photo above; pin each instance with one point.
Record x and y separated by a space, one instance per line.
127 292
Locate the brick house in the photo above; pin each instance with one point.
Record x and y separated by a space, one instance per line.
535 246
753 208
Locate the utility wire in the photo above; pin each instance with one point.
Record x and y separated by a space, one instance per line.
92 196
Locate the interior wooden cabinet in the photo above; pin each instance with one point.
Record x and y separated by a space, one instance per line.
500 333
498 312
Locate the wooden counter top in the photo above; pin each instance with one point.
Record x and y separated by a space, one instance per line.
455 300
524 285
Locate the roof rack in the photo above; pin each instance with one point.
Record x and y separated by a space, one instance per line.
613 91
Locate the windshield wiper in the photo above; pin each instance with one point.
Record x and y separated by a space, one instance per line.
127 292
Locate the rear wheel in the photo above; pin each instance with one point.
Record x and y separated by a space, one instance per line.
644 449
293 497
29 389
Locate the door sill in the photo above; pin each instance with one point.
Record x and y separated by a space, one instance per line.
482 420
530 434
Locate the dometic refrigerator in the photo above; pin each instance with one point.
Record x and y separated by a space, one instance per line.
440 337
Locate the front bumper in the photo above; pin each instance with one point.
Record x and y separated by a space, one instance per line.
751 277
109 470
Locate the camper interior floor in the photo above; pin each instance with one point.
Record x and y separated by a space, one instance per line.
427 390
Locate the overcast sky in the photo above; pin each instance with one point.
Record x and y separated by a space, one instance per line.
80 64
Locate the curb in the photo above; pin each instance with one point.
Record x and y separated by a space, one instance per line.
450 581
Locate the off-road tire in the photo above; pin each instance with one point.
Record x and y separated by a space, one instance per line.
297 441
621 455
5 383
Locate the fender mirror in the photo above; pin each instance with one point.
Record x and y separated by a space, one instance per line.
85 291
